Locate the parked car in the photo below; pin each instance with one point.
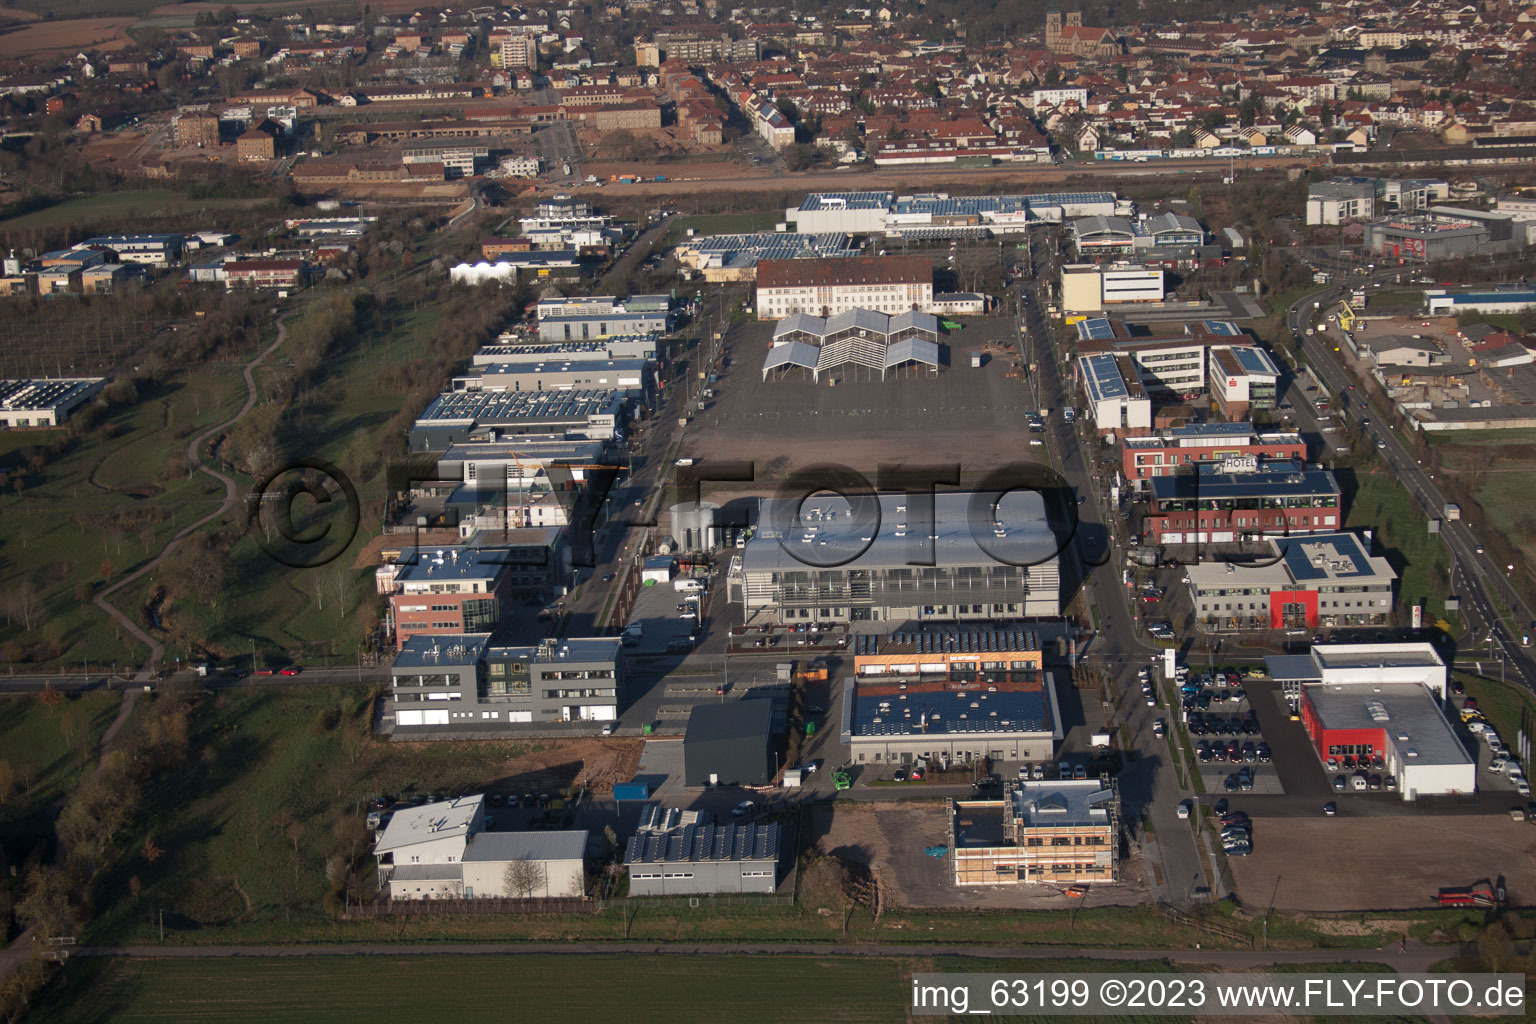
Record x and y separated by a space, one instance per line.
1338 783
742 809
1330 808
900 775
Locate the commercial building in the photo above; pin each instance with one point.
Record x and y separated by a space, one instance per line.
558 375
1425 238
885 284
152 250
442 851
1093 287
1495 301
455 417
826 561
1181 367
855 338
459 157
592 326
675 854
729 744
722 258
1063 832
1307 582
1337 201
1242 497
276 274
448 684
450 591
1379 701
869 213
950 698
45 401
1183 448
1103 237
1117 401
1242 379
616 347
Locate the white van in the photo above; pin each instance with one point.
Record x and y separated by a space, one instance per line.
687 585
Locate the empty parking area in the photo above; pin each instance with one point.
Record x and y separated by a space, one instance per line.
1382 863
965 414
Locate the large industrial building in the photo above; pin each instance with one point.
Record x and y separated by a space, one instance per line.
869 213
950 698
629 375
458 416
45 402
885 284
1380 700
729 744
833 563
1311 582
722 258
1095 287
1241 497
1110 237
460 683
1049 833
856 338
673 853
1183 448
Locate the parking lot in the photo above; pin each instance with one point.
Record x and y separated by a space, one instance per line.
971 415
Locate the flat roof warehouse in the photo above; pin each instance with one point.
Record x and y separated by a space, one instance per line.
827 531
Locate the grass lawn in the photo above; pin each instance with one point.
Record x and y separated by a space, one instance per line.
1480 438
1394 299
46 748
636 989
722 224
1378 502
84 209
124 476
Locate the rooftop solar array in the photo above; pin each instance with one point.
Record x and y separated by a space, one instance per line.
1101 376
771 245
962 642
490 406
847 201
1226 328
1255 360
1289 480
1341 553
1097 328
697 843
42 394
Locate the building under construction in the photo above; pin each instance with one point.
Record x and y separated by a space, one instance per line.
1062 832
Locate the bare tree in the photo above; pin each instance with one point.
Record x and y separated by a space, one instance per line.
342 580
524 878
7 781
317 587
22 604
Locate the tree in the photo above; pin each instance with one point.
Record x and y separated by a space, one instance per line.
49 697
149 851
524 878
21 603
47 903
7 781
342 581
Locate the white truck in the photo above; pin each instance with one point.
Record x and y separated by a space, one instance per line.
687 585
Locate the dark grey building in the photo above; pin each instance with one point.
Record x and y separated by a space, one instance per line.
459 683
669 859
729 744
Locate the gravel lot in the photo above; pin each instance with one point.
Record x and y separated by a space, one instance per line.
1382 863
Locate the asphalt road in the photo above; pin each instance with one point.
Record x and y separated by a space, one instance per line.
1149 786
1475 576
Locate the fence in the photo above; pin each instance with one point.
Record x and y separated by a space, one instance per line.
1204 923
424 908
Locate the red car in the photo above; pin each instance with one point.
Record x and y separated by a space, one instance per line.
290 671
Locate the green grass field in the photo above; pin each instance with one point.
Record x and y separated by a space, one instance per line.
722 224
1381 504
635 989
46 748
126 475
1481 438
85 209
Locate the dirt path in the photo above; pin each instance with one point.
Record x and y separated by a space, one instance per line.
147 671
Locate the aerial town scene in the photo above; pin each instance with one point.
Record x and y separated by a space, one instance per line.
838 513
